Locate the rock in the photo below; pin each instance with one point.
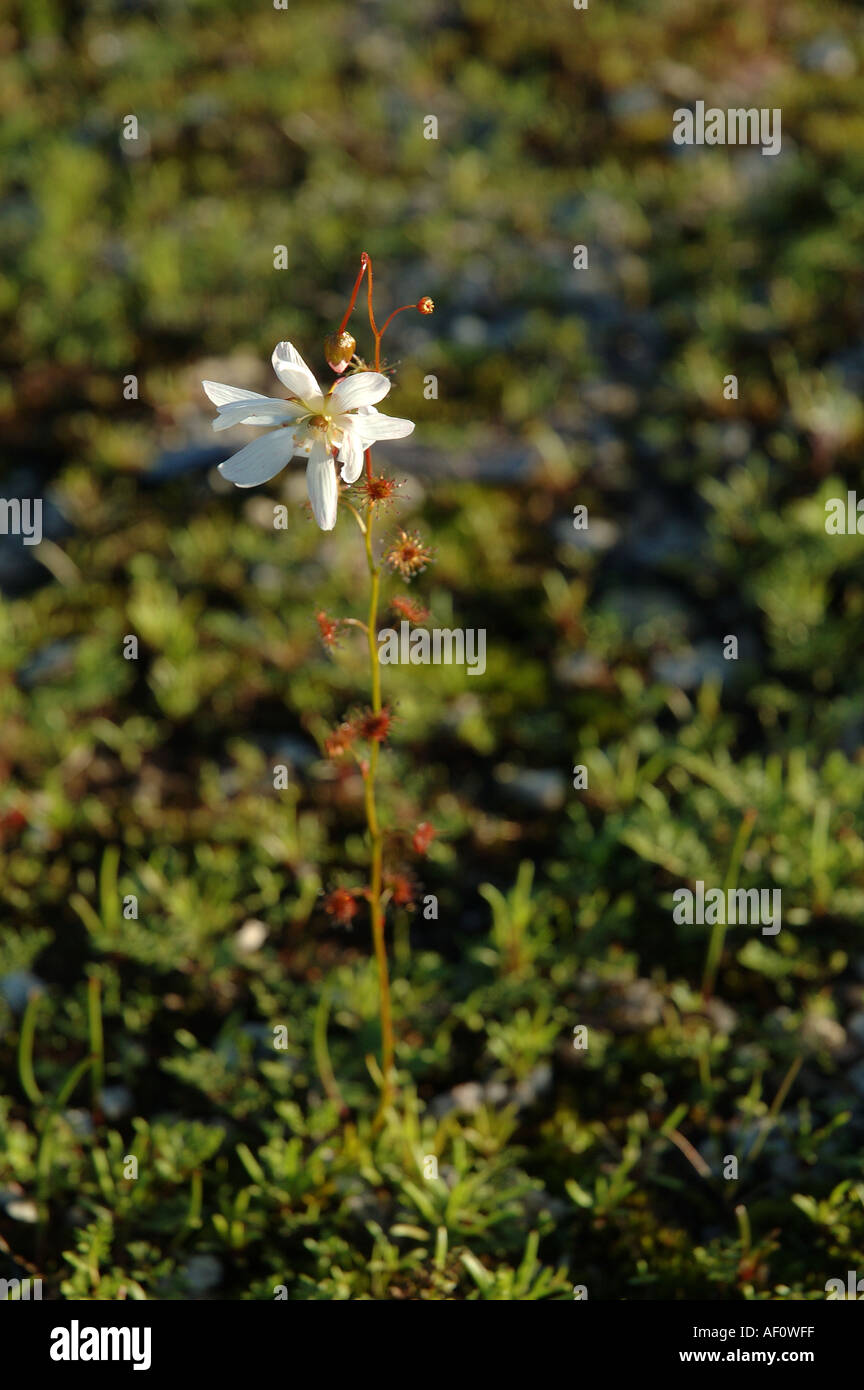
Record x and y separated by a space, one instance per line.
80 1121
689 668
202 1273
538 1082
470 331
856 1078
827 1033
649 613
829 54
633 101
285 749
269 579
638 1005
250 937
17 986
496 1093
116 1101
500 462
18 1209
178 463
57 659
721 1015
595 538
581 671
659 538
610 398
537 789
467 1097
786 1168
855 1025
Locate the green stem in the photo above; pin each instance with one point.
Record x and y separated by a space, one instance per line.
322 1054
97 1042
718 931
776 1106
743 1219
375 836
46 1141
25 1052
193 1211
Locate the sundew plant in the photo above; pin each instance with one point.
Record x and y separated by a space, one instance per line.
335 429
539 978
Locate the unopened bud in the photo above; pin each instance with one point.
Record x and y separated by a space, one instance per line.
339 348
425 305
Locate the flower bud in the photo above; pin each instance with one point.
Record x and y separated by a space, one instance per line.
425 305
339 348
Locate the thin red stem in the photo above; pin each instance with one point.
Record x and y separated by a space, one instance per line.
364 262
372 323
393 315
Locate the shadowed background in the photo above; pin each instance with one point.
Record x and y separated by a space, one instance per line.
258 129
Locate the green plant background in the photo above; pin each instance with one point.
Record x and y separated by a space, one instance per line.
258 1168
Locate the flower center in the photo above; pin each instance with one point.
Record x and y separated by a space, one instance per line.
320 422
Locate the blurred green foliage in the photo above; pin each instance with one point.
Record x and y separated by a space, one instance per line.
259 1166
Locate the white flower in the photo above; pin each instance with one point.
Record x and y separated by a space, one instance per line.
343 422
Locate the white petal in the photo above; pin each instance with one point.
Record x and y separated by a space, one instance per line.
261 460
373 424
322 485
363 388
269 411
351 453
223 395
295 375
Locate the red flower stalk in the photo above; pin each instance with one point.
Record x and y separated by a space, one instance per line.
423 837
374 725
423 306
342 906
409 608
364 262
340 742
11 822
403 890
329 629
